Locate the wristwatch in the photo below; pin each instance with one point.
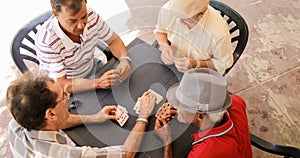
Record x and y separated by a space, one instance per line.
126 58
142 120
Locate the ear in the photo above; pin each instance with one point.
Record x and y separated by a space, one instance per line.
54 13
50 115
201 116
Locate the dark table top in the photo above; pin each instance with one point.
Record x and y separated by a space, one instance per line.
148 71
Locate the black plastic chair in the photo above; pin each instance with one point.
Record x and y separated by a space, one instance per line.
23 44
282 150
237 26
238 29
22 47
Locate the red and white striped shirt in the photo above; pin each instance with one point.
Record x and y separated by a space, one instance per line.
59 55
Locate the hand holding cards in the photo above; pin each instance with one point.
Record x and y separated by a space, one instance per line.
166 112
145 104
158 97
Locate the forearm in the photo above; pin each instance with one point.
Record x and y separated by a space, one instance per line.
76 85
75 120
168 151
134 139
117 46
162 38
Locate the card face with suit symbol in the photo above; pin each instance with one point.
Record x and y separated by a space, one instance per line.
122 115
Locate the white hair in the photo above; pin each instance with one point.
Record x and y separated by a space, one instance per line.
215 117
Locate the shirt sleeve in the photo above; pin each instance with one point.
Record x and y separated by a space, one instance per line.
51 62
222 54
163 20
107 152
104 31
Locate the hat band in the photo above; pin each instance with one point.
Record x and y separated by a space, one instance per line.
189 102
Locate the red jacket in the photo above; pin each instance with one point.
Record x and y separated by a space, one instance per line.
230 140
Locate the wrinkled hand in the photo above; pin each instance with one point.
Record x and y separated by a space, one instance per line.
183 64
163 130
107 80
147 101
166 112
167 54
107 112
123 69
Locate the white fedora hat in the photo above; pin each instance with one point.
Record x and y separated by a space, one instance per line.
200 90
188 8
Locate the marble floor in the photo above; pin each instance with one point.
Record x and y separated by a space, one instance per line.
267 75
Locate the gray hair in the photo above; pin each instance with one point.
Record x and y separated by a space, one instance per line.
73 5
215 117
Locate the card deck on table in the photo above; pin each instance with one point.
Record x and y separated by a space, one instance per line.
122 115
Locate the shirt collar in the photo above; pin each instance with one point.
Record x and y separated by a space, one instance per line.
67 42
201 23
214 132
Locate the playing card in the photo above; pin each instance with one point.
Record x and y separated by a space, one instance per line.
159 98
137 106
122 115
122 108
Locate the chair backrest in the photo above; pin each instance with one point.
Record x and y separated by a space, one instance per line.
23 45
237 27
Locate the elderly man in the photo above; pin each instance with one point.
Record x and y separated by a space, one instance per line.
66 43
39 109
190 34
201 99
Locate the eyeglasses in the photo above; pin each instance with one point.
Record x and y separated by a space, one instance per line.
66 96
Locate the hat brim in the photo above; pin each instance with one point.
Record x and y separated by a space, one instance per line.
171 97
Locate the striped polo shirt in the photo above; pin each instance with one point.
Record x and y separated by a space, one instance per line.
59 55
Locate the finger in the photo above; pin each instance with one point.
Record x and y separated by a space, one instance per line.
111 107
147 93
109 72
157 125
173 112
125 74
111 117
167 60
164 122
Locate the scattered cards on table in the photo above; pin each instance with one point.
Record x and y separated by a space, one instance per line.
122 115
137 105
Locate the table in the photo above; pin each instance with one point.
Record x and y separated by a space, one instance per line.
148 71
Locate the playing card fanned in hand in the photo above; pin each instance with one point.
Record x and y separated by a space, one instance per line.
122 115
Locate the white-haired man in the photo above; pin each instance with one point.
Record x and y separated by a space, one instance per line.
190 34
201 98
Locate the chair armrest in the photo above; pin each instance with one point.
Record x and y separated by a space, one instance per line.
105 49
282 150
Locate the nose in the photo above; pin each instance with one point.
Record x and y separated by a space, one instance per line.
81 25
